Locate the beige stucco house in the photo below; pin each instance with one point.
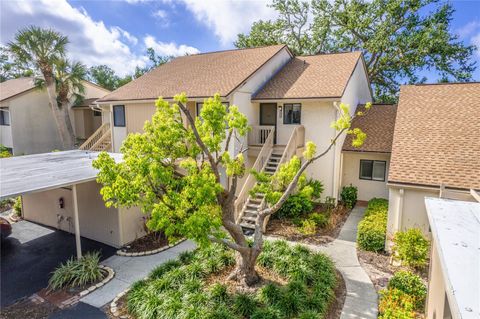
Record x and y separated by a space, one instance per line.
27 125
435 151
288 100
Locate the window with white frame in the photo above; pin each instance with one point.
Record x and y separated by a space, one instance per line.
292 113
119 115
4 116
373 170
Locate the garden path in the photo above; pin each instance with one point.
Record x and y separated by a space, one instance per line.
361 298
129 270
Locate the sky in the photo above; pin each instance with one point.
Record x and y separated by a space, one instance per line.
118 32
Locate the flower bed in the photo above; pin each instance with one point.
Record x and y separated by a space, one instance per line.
296 283
325 229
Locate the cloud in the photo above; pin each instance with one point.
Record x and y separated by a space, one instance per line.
468 29
227 18
168 49
91 42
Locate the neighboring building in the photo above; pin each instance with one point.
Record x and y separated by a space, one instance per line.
454 275
367 166
27 125
291 98
435 152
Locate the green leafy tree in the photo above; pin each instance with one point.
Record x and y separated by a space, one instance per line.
104 76
43 49
173 172
398 38
11 69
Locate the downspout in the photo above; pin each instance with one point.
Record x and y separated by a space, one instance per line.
334 179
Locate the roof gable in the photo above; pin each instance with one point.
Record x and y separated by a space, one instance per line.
13 87
437 136
316 76
199 75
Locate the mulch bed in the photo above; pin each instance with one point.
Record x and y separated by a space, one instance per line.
335 309
151 241
379 268
286 229
26 308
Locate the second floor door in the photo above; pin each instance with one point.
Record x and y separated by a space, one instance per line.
268 116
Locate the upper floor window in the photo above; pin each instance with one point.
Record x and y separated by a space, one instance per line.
373 170
5 116
97 113
119 115
200 105
292 113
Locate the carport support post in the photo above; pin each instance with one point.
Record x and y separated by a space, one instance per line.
77 225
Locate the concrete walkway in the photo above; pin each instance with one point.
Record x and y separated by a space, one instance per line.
129 270
361 299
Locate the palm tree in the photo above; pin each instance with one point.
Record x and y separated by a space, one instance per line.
43 48
69 79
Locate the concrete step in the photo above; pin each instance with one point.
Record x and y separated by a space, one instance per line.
247 225
251 219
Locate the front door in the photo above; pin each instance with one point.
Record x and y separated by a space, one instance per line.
268 116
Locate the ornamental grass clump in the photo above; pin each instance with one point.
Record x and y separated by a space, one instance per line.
183 289
77 272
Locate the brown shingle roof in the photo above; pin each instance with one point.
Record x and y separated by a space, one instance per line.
199 75
316 76
13 87
86 102
378 123
437 136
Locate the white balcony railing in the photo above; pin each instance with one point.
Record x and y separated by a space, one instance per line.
259 134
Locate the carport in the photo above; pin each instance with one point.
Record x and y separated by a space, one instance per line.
24 175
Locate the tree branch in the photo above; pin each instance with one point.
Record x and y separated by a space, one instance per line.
228 243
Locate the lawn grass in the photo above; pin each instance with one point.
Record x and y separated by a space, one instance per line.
179 289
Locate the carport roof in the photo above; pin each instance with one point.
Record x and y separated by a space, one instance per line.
33 173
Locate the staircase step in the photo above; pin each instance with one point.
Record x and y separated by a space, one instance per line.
253 207
251 219
275 155
246 225
250 211
254 201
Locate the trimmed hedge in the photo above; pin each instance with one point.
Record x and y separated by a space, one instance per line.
178 289
395 304
372 229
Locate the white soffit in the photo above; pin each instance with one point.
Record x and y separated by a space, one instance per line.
456 231
21 175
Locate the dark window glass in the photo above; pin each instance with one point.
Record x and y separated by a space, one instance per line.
292 113
97 113
4 116
373 170
119 115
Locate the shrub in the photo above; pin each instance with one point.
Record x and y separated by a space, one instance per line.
317 187
371 232
295 206
330 203
411 247
4 152
349 196
17 206
410 284
321 220
377 206
244 305
395 304
77 272
309 227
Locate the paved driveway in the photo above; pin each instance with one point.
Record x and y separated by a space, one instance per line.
31 253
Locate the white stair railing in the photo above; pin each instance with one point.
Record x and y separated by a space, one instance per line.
259 164
100 134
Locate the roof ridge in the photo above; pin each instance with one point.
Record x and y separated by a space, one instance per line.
328 53
230 50
442 83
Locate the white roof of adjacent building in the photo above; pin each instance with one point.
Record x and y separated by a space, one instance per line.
456 231
21 175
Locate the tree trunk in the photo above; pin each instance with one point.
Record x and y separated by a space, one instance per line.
245 272
60 120
68 123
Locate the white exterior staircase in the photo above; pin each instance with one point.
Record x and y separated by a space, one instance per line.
99 141
268 161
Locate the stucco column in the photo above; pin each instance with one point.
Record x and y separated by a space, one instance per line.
76 222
